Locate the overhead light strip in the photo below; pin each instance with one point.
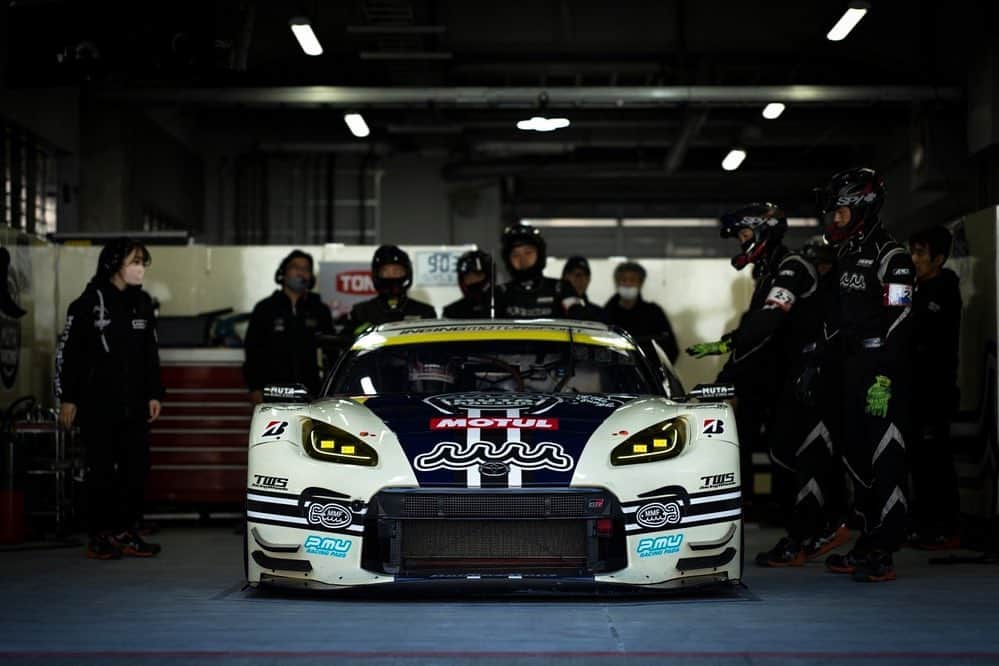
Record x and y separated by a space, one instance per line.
302 29
848 21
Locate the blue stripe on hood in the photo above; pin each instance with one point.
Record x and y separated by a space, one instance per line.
547 456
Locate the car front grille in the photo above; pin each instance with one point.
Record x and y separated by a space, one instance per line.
430 532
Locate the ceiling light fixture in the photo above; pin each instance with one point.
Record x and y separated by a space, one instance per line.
849 20
733 159
355 122
773 110
542 124
302 29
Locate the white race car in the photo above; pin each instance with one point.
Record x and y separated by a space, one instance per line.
528 453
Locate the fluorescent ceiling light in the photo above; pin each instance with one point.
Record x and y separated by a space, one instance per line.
542 124
848 21
802 222
680 222
573 222
773 110
307 39
355 122
733 159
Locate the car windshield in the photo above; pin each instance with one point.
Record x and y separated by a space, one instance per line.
543 366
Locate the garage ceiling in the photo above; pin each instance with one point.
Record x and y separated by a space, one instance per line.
657 92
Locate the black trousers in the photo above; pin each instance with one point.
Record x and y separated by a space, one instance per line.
117 459
806 459
935 494
874 450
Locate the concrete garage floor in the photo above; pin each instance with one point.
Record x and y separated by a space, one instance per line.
56 607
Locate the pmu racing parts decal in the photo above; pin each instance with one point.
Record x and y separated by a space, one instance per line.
316 509
656 546
672 508
328 546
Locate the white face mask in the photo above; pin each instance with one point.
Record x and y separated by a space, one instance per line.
133 274
627 293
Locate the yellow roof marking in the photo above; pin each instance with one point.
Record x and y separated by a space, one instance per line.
522 334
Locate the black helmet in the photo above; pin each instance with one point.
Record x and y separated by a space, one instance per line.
391 287
475 261
524 234
863 192
768 223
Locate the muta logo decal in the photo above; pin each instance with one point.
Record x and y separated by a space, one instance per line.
658 514
713 427
455 456
853 281
331 516
487 423
329 546
275 429
655 546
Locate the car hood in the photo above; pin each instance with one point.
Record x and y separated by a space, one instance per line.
494 439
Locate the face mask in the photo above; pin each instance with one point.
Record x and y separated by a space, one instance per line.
297 283
133 274
477 290
628 293
392 288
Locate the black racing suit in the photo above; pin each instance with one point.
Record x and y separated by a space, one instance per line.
378 311
800 442
282 346
872 328
468 308
936 311
108 365
644 321
538 298
757 373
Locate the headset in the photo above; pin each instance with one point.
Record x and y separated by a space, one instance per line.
296 254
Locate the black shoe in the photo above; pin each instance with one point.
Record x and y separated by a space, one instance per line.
877 567
848 563
825 542
132 544
787 553
102 548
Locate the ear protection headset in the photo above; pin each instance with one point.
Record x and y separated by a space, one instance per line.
296 254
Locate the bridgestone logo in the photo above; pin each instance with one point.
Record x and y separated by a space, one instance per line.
521 423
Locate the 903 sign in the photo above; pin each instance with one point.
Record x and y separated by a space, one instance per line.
436 268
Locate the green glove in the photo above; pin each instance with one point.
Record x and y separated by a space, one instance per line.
878 396
702 349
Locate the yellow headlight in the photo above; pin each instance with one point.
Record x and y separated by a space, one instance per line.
324 442
659 442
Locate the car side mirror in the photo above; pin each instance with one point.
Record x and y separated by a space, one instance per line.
287 393
709 392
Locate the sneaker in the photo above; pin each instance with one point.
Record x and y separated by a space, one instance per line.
840 563
787 553
132 544
877 567
935 542
102 548
819 545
